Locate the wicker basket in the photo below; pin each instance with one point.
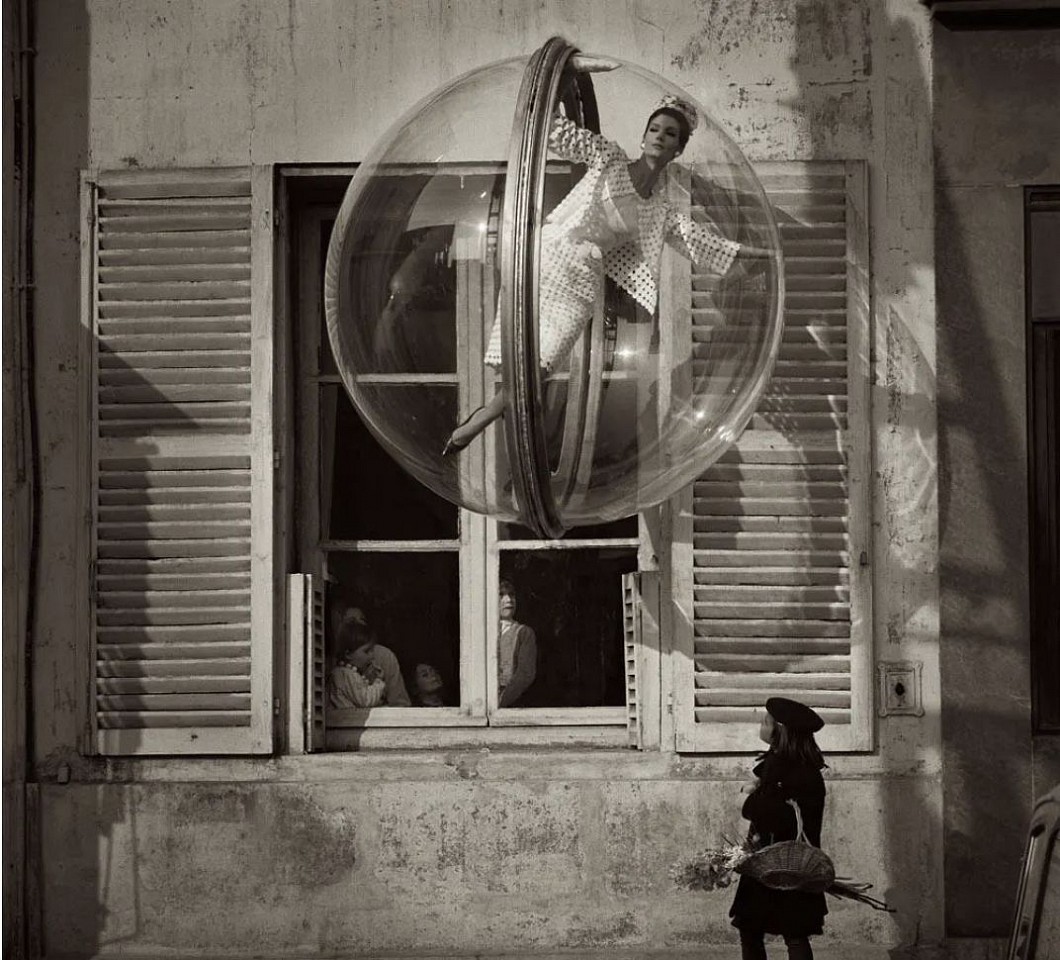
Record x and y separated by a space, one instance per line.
791 864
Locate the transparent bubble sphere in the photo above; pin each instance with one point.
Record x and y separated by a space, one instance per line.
498 243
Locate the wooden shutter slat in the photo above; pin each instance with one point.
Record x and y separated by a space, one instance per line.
171 616
175 392
175 495
181 511
737 663
172 549
140 686
185 633
170 339
165 309
143 244
726 489
748 716
771 558
783 643
184 410
833 681
163 582
180 266
772 575
174 184
796 630
173 222
742 472
175 257
168 720
185 291
151 206
768 610
123 326
172 659
161 471
172 701
163 599
123 276
734 592
736 697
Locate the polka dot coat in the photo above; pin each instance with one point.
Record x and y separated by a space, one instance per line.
603 226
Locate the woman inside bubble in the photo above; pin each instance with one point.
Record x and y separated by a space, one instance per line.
613 223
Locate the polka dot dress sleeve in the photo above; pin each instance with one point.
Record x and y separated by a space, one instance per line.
706 248
576 144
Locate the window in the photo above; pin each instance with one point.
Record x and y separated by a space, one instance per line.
421 576
1043 402
666 630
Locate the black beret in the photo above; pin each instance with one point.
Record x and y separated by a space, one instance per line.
793 714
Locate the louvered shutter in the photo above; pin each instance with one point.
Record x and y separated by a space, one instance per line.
308 690
772 543
178 273
632 637
316 680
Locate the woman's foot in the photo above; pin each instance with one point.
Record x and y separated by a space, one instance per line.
465 432
474 424
453 446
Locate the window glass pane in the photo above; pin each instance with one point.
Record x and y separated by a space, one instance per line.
409 604
370 497
1044 255
572 601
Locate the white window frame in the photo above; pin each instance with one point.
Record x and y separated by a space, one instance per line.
479 547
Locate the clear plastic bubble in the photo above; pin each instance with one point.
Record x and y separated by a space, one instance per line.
671 346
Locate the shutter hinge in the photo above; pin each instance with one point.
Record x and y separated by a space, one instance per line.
670 703
276 707
275 459
863 559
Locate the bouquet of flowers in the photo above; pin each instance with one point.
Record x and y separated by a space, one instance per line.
711 869
715 867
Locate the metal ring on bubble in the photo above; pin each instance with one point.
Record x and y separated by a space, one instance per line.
520 256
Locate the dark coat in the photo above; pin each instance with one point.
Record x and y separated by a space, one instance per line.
756 907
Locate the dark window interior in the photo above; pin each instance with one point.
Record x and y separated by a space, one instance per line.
1043 374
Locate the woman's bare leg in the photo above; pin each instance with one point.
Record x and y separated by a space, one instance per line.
478 420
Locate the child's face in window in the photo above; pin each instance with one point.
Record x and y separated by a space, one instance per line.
507 605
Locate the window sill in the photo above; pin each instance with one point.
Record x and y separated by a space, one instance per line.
342 739
404 717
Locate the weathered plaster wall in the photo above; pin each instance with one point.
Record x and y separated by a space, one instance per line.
455 854
473 850
995 132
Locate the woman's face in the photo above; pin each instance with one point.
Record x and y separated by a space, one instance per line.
507 605
662 139
765 731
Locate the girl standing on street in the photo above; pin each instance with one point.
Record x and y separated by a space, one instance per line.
789 770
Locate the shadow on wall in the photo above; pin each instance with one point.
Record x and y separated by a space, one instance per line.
69 865
890 79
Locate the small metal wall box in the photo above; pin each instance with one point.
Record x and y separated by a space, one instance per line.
900 688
